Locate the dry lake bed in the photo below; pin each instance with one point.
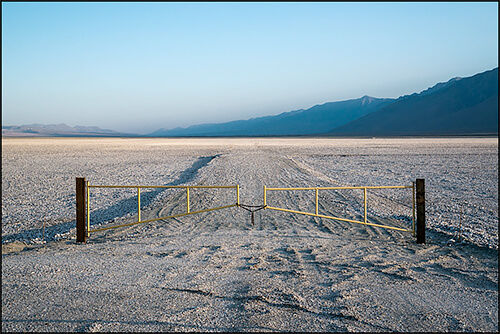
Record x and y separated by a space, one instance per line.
218 271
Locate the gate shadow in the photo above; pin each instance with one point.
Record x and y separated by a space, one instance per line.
119 209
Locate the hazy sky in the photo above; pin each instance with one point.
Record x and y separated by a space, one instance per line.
138 67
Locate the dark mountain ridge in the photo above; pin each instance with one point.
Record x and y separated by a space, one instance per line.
57 130
462 106
317 119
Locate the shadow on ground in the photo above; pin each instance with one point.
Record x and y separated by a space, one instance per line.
119 209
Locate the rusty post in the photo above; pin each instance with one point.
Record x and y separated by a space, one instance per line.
80 210
420 195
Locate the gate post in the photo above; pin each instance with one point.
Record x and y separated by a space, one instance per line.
420 185
80 210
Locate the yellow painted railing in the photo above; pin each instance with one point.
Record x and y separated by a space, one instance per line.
139 221
265 206
364 222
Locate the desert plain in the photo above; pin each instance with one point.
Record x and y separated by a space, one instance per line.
218 271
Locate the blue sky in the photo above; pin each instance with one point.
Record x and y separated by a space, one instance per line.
138 67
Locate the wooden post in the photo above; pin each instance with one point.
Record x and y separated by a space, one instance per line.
420 185
81 234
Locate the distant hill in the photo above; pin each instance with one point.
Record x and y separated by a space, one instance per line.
57 130
462 106
317 119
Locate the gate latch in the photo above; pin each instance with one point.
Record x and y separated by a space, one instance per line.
252 209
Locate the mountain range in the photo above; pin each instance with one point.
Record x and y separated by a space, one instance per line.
460 106
318 119
58 130
464 106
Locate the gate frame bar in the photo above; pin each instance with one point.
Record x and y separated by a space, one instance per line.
83 205
416 228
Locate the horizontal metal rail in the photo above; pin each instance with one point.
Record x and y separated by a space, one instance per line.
161 218
365 222
337 218
138 187
333 188
193 187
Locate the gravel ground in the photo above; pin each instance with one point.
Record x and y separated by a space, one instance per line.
215 271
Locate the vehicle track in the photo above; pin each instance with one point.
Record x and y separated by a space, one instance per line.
251 169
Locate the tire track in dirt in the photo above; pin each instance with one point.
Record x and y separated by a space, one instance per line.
149 207
342 200
252 168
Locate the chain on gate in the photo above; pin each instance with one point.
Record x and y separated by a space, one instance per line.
252 209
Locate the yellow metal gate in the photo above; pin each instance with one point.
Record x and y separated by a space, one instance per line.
139 221
83 206
365 220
